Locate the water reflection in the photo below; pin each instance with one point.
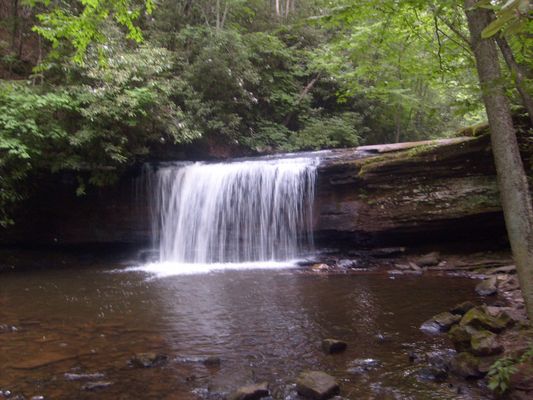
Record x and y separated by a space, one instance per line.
264 325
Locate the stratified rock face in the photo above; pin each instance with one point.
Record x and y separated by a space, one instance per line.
409 193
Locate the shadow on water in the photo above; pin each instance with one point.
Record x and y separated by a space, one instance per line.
262 324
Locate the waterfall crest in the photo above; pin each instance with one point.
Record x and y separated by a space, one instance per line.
245 211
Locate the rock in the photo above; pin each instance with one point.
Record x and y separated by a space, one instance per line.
522 378
440 323
212 362
507 269
37 398
316 385
460 337
487 287
432 374
363 365
320 267
465 365
415 267
79 377
347 264
148 360
251 392
485 343
331 346
96 385
462 308
429 259
478 319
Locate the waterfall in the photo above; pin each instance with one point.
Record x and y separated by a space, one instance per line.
235 212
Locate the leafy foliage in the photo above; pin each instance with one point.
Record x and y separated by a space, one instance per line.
501 370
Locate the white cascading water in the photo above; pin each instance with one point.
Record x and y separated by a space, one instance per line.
237 212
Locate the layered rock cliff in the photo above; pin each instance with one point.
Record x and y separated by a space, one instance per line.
375 195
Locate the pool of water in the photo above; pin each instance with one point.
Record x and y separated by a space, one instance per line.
264 325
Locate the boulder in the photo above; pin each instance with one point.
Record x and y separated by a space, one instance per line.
441 322
428 260
147 360
487 287
478 319
331 346
485 343
460 337
316 385
462 308
251 392
465 365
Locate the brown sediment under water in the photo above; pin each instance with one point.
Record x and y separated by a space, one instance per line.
264 325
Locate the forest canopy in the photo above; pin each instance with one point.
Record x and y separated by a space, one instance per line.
95 86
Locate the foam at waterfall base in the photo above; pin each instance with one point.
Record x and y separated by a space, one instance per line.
165 269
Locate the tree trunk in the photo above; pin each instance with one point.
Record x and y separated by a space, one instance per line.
512 181
518 75
14 30
277 8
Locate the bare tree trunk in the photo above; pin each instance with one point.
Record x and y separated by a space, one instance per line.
15 16
512 180
397 125
287 7
277 8
518 75
301 96
218 15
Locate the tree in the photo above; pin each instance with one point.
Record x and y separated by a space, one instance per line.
514 190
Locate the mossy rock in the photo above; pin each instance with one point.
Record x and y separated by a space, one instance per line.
478 319
466 365
460 337
485 343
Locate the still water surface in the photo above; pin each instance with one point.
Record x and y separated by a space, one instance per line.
263 324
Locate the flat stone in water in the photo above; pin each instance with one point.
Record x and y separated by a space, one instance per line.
79 377
251 392
96 385
316 385
147 360
487 287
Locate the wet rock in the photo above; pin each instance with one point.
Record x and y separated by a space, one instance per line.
5 393
441 322
460 337
485 343
96 385
320 268
522 379
347 264
316 385
251 392
147 360
462 308
80 377
37 398
363 365
465 365
430 327
429 259
432 374
478 319
212 362
415 267
331 346
487 287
